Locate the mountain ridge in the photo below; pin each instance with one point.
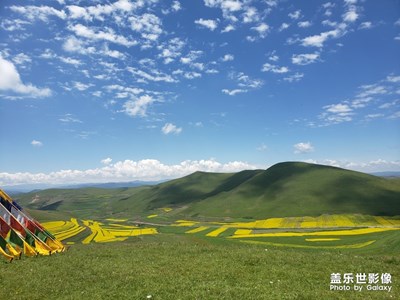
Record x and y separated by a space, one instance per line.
283 190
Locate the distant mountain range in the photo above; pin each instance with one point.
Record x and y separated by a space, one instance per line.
284 190
26 188
387 174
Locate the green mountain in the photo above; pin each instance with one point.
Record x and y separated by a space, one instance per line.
284 190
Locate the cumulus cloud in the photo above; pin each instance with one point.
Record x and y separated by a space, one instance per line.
318 40
303 148
106 161
21 59
170 128
228 57
295 15
138 106
351 14
10 80
148 25
36 143
107 35
377 165
127 170
38 12
283 26
304 59
262 29
228 28
304 24
267 67
210 24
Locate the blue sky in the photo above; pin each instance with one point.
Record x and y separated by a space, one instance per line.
94 91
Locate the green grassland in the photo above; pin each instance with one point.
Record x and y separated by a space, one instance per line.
176 266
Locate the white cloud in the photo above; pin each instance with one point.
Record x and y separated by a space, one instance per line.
377 165
210 24
149 25
231 5
38 12
108 35
300 148
138 106
284 26
10 80
295 15
170 128
36 143
234 92
77 12
371 90
228 28
127 170
294 78
99 11
251 15
397 23
274 57
350 15
13 25
72 44
228 57
319 39
262 29
156 76
81 86
338 108
304 59
21 59
191 75
304 24
68 118
393 78
267 67
336 113
245 81
365 25
71 61
176 6
106 161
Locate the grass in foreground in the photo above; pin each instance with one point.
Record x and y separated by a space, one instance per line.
171 266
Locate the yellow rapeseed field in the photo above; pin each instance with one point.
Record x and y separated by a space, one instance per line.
217 232
99 233
198 229
241 234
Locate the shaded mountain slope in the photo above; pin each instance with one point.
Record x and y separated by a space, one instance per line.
283 190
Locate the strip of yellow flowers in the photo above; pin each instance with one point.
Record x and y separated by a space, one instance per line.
351 246
240 233
99 233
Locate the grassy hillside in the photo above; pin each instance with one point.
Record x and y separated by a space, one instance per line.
189 267
300 189
286 189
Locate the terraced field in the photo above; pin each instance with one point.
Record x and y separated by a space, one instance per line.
323 232
87 231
